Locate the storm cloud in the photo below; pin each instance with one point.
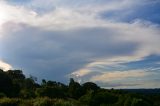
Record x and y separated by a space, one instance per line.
86 41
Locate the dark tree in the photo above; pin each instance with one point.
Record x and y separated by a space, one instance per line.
5 83
74 89
89 86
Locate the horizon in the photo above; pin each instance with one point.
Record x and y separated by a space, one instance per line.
114 44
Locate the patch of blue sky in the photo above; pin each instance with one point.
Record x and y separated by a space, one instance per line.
147 63
150 63
148 12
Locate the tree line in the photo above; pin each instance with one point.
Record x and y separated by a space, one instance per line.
14 84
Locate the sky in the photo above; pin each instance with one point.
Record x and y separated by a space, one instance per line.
113 43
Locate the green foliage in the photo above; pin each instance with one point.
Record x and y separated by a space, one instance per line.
45 101
128 101
2 95
103 98
74 89
86 99
139 102
61 102
26 102
16 74
52 89
52 92
89 86
156 99
9 102
42 102
27 93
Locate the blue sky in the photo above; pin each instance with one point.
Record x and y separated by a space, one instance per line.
112 43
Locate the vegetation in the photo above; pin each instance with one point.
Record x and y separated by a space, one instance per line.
17 90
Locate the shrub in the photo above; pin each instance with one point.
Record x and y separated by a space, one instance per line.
26 103
68 102
63 103
9 102
103 98
2 95
42 102
86 99
25 93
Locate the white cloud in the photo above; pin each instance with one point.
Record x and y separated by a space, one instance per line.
119 75
5 66
15 14
81 72
63 17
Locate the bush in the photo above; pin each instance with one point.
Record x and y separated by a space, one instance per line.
27 94
2 95
26 103
42 102
63 103
86 99
9 102
71 102
103 98
139 102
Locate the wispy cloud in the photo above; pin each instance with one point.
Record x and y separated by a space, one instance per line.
120 75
